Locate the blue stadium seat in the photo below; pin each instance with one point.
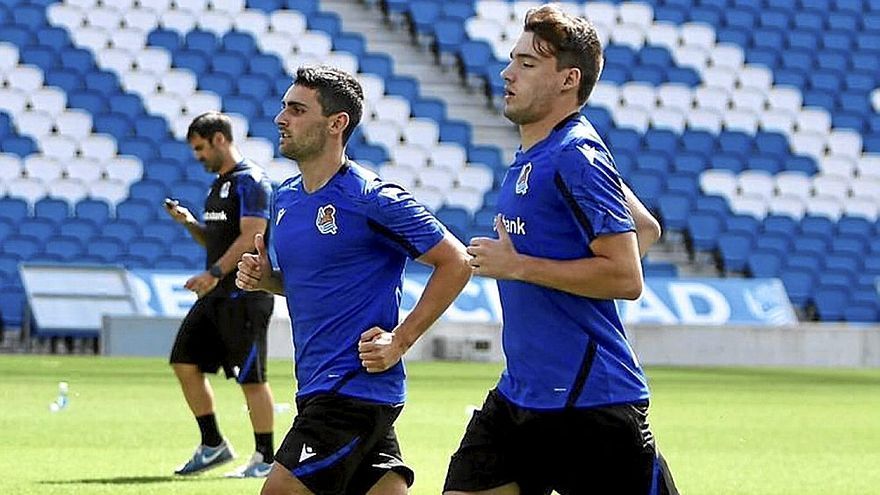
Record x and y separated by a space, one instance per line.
648 186
660 269
704 229
190 194
379 64
54 210
706 14
430 108
23 246
163 230
13 209
798 285
103 82
165 38
653 161
231 64
177 151
105 248
733 248
17 34
816 245
853 245
151 127
800 164
623 139
457 219
38 228
683 183
143 148
661 140
458 9
90 101
780 224
455 131
692 163
78 228
846 264
115 124
77 59
653 75
866 313
53 37
64 247
43 57
423 14
830 302
222 84
137 209
744 224
774 18
129 105
65 79
805 39
167 172
194 60
405 86
92 209
808 262
448 35
327 22
821 226
674 211
256 86
121 229
242 105
763 263
854 226
838 40
773 242
18 145
768 38
267 6
202 41
240 43
148 249
766 163
266 65
670 13
12 303
487 155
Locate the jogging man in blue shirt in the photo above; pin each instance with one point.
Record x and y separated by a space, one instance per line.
342 237
569 412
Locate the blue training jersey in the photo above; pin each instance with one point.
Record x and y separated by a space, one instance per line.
564 350
342 250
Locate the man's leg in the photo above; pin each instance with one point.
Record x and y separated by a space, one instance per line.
260 405
213 450
390 484
196 389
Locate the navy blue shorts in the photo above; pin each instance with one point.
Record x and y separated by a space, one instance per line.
572 451
341 445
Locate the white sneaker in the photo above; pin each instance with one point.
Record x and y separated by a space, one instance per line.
255 468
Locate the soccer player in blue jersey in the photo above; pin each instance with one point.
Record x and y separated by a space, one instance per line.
342 237
225 327
569 412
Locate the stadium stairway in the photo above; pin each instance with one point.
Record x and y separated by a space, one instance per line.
411 58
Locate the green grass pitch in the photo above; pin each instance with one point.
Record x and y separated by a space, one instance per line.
724 431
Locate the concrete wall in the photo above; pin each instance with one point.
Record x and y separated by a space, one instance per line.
821 345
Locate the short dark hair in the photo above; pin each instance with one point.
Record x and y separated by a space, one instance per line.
208 124
572 40
338 91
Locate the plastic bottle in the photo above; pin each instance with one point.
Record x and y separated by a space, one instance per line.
62 399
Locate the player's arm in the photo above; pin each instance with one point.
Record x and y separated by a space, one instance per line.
183 216
614 271
249 227
255 271
378 349
647 227
451 273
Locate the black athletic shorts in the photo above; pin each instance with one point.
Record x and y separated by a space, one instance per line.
340 445
602 451
227 332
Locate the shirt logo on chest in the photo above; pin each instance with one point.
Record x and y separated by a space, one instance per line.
326 221
281 213
522 183
224 190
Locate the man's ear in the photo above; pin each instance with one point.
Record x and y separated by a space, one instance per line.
218 138
339 122
572 78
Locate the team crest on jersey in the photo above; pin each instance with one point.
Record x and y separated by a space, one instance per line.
326 221
522 183
224 190
281 213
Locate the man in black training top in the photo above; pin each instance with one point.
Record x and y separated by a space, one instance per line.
225 327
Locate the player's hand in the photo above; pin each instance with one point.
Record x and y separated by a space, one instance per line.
378 350
254 269
495 258
179 214
202 283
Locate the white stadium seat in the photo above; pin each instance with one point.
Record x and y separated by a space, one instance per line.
869 166
598 12
793 183
833 186
812 119
638 94
34 124
216 22
676 96
85 170
26 78
131 39
431 197
401 174
726 55
497 10
145 19
180 20
253 21
825 206
861 207
630 35
409 155
749 99
139 81
719 182
639 14
717 99
708 120
392 108
475 176
10 167
63 14
421 132
719 77
784 98
438 178
289 22
698 34
228 6
466 198
74 123
865 188
755 76
123 170
382 132
48 99
778 120
116 60
60 147
669 119
70 190
845 143
158 60
744 121
101 147
43 168
104 17
837 165
448 156
663 34
109 190
27 188
789 206
752 205
258 150
757 183
636 118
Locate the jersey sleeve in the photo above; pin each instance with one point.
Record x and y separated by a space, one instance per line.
255 195
593 190
405 224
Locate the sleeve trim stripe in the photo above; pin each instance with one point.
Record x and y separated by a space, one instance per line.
383 230
579 214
